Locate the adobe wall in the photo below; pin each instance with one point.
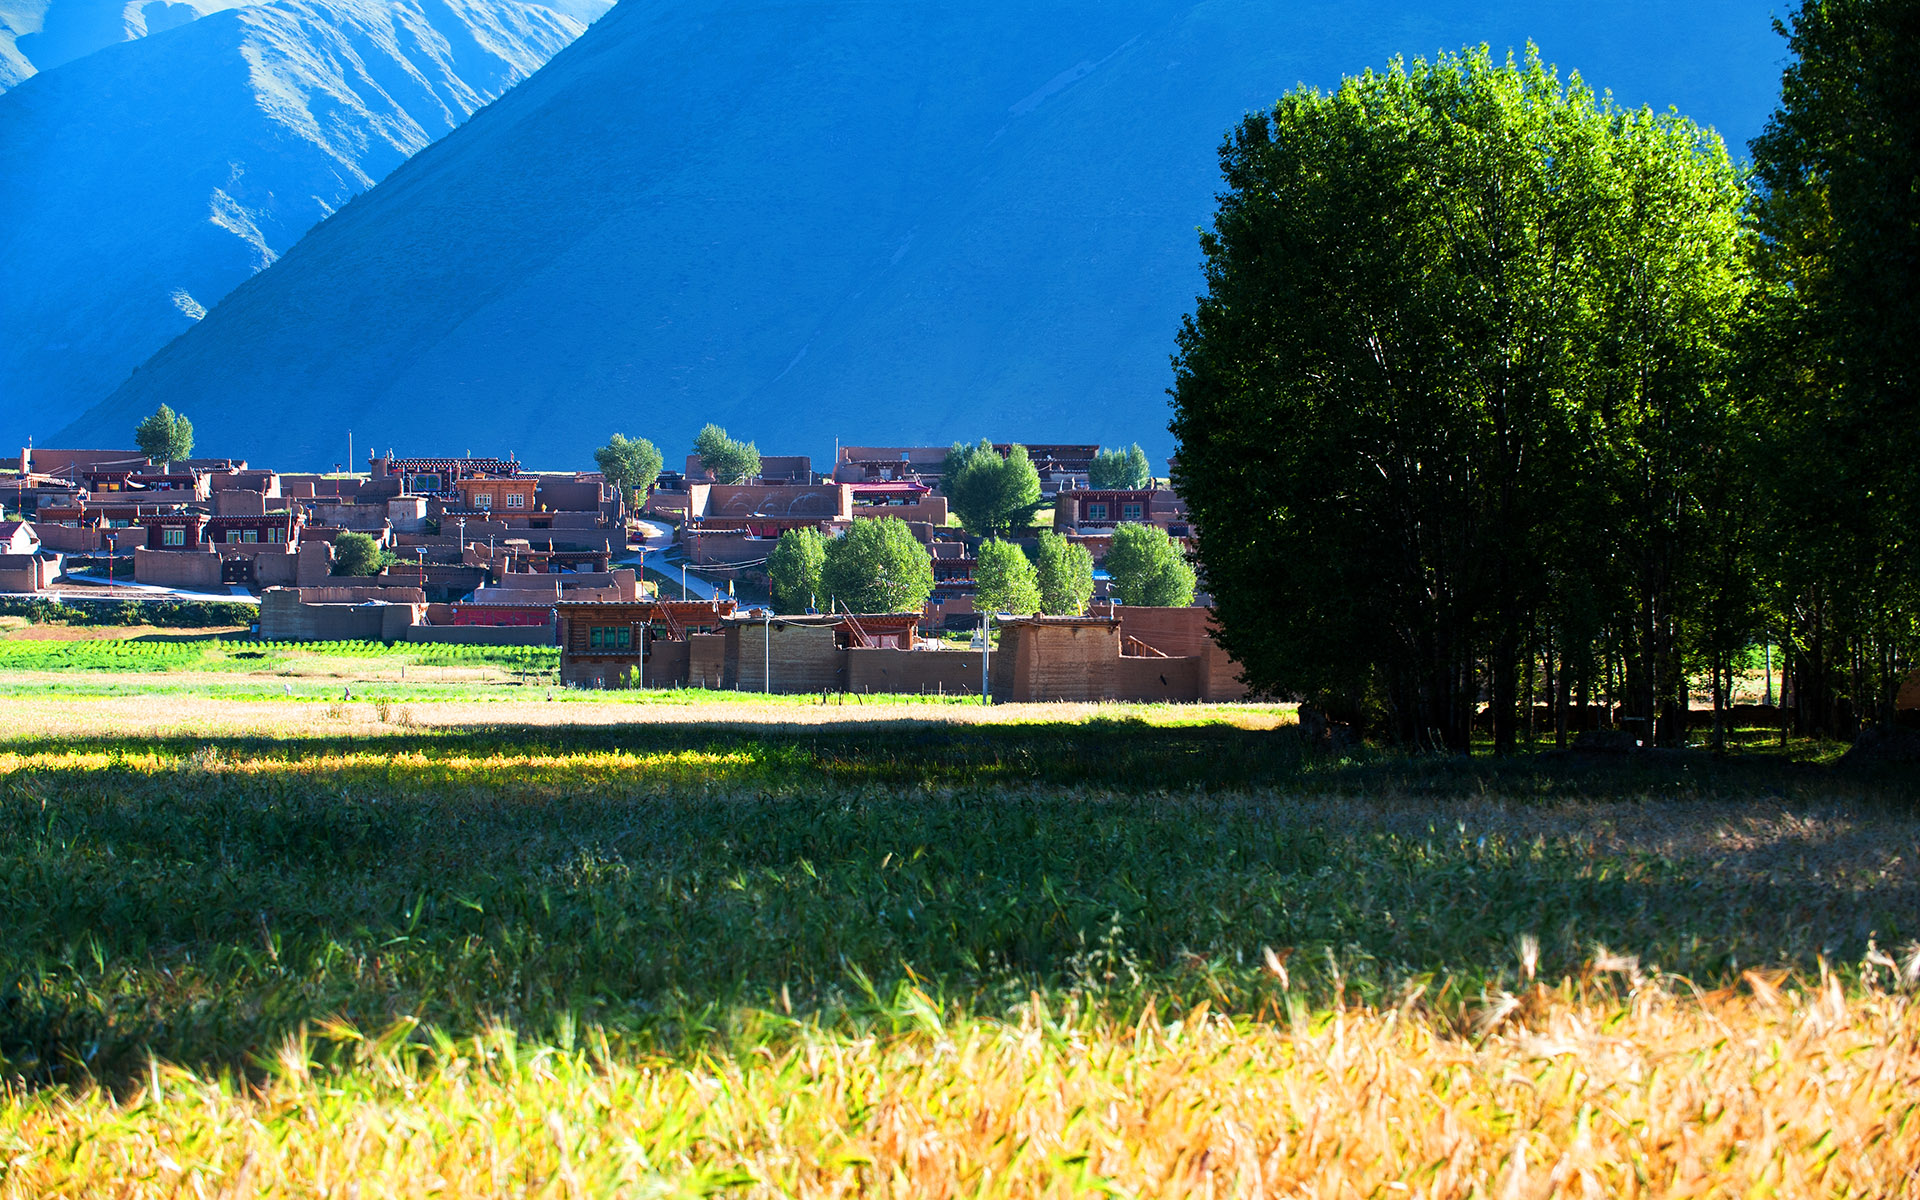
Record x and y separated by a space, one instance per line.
276 570
285 618
568 495
804 658
1186 632
178 568
599 672
316 564
481 635
1157 679
71 539
360 593
707 660
917 672
727 548
27 572
233 502
666 664
1061 662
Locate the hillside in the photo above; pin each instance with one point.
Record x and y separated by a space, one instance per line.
38 35
144 180
814 220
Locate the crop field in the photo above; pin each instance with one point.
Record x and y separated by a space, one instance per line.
271 948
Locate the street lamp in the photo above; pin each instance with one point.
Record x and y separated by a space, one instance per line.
986 649
766 649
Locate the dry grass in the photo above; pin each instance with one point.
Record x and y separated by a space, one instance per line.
187 715
1802 1093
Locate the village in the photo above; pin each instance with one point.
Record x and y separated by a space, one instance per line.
662 582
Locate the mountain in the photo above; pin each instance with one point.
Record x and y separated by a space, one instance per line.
37 35
816 219
145 180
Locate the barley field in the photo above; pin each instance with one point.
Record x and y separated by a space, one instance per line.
444 948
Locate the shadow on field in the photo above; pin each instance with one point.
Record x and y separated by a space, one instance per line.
199 899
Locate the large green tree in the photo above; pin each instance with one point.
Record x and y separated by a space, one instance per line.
877 566
729 460
1838 219
1460 361
1065 575
1004 580
358 554
629 464
794 567
1148 567
991 494
165 436
1121 469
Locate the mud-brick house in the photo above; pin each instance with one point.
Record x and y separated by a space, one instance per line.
655 643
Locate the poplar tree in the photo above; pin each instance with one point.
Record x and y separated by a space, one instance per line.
1458 390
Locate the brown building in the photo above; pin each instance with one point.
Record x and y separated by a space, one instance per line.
1172 657
497 494
242 534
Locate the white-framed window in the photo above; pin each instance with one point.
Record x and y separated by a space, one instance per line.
483 501
244 535
173 537
516 500
276 535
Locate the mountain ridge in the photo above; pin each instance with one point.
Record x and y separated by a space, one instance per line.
883 223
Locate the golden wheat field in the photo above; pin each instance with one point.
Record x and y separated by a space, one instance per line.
597 950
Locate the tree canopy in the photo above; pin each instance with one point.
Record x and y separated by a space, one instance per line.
165 436
1065 576
1004 580
358 554
877 566
1457 395
794 568
1121 469
1148 567
629 464
730 461
990 494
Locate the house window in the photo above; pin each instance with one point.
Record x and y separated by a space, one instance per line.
610 637
244 535
516 500
1129 512
173 537
1096 512
483 501
276 535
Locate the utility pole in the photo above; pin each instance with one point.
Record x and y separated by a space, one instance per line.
766 650
986 648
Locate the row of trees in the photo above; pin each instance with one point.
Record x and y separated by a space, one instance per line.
1498 390
878 566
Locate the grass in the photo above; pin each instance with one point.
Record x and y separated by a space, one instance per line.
897 952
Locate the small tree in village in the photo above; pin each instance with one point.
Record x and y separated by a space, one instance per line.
358 554
1005 581
1148 567
1121 469
165 437
877 566
991 495
730 461
1065 576
630 465
794 567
